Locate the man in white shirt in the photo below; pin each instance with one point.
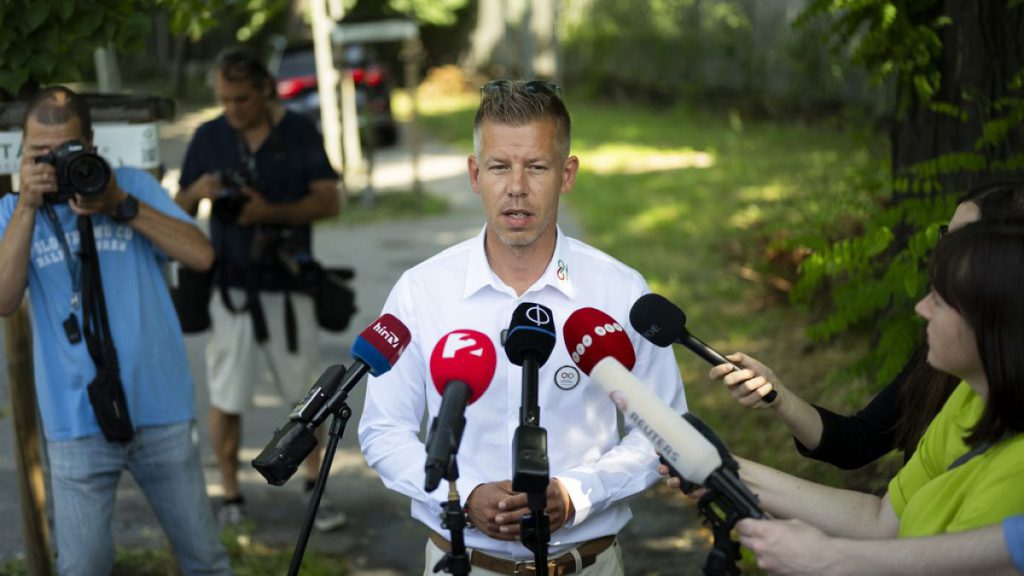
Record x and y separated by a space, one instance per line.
520 168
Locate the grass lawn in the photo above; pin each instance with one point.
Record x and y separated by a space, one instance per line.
699 202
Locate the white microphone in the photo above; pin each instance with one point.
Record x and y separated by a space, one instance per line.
686 449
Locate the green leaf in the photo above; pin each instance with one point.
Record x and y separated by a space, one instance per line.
63 8
11 80
42 65
35 16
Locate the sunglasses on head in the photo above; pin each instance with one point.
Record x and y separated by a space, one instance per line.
532 86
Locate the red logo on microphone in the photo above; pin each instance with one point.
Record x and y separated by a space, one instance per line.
464 355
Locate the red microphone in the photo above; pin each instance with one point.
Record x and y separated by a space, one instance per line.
461 367
590 336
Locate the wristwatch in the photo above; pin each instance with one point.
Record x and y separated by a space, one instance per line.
126 209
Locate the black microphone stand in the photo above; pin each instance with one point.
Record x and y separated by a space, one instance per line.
456 561
532 470
342 414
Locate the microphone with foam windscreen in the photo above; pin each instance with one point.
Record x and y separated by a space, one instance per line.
591 335
663 323
461 367
690 447
528 342
599 352
531 334
375 350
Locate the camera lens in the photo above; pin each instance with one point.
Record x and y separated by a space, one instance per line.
88 174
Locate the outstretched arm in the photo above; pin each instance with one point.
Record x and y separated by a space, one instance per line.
793 548
754 380
836 511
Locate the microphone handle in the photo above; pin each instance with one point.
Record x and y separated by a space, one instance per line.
713 357
352 377
318 394
445 433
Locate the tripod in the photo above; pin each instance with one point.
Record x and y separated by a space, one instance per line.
532 470
341 417
454 519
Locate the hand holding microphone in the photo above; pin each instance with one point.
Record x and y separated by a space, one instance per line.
663 323
461 367
685 443
746 379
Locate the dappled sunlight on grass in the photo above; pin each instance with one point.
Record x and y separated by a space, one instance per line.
653 218
694 539
625 159
746 217
771 192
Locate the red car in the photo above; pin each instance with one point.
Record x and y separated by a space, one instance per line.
297 89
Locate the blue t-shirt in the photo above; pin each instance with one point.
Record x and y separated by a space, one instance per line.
150 348
1013 529
286 163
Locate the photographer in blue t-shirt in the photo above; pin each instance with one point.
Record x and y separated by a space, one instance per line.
112 377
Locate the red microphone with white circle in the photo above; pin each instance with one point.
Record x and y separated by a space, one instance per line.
591 335
461 366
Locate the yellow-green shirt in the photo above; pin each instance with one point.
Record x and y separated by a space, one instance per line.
930 499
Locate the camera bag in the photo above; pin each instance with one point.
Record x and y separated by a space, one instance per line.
334 298
191 296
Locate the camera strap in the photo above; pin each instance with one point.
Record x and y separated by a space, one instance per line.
252 303
106 391
94 308
73 263
71 326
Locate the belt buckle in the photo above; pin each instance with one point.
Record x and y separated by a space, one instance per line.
522 568
529 568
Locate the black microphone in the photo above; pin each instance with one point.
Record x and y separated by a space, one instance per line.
530 335
461 366
529 342
375 350
325 387
663 323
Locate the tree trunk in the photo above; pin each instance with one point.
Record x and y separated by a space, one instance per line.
983 49
178 84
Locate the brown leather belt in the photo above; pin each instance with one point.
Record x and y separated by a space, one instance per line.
559 566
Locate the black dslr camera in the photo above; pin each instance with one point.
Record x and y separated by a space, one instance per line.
79 171
229 202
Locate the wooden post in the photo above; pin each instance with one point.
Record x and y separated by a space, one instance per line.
31 487
412 55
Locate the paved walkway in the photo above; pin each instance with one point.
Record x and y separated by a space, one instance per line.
380 538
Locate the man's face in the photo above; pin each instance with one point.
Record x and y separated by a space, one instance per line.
244 104
519 176
40 139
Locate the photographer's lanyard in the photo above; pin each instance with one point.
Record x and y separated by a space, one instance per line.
248 157
71 327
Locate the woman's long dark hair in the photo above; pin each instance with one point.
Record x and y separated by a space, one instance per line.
979 271
925 389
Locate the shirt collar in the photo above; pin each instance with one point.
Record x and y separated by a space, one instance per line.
557 275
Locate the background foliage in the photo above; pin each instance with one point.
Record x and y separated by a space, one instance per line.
954 128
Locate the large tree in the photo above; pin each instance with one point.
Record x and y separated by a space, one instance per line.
959 71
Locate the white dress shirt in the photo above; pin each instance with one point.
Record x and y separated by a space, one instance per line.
457 289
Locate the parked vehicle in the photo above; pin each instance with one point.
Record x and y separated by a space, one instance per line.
295 71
